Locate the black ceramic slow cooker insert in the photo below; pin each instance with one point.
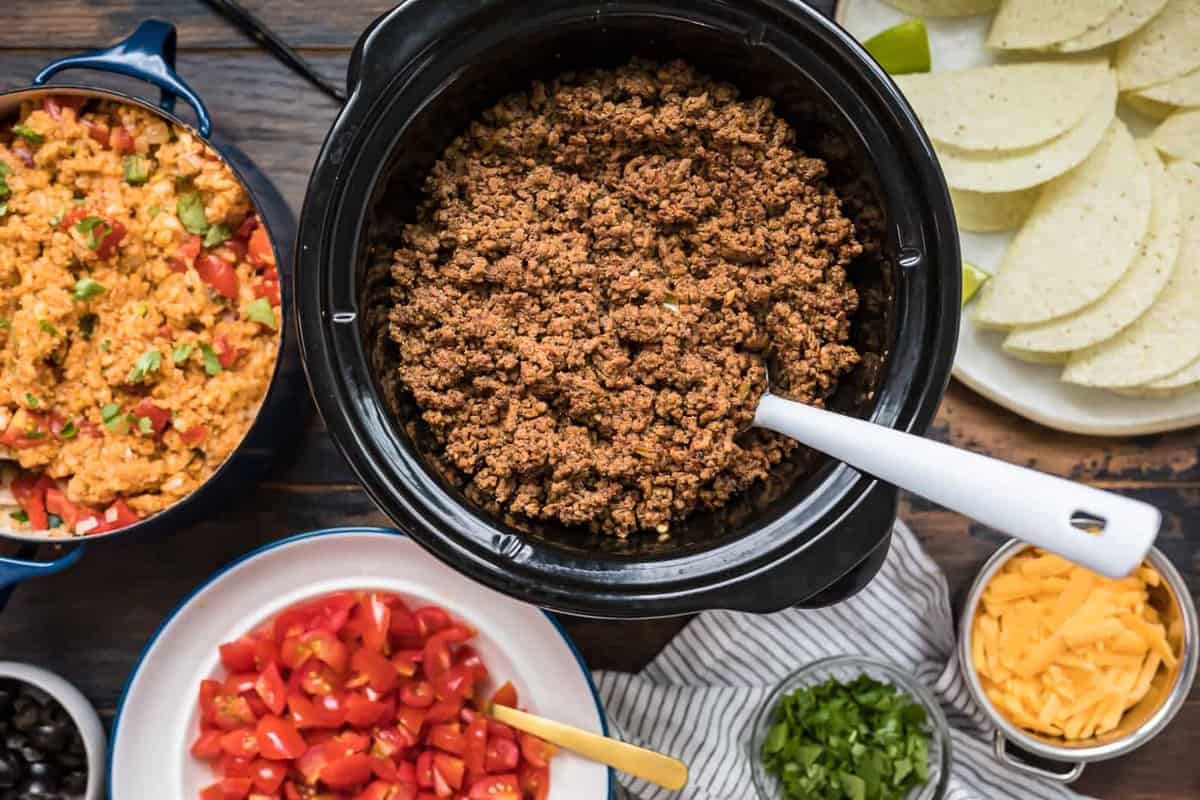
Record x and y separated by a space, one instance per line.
819 529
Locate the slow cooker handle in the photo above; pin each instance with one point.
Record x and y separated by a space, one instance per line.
147 54
23 567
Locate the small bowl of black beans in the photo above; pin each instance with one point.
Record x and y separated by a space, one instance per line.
51 741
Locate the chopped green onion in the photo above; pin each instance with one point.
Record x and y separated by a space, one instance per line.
109 412
142 309
20 516
212 364
28 134
105 345
3 208
260 311
53 521
153 211
5 323
35 434
181 352
145 425
69 431
78 201
190 210
86 289
217 234
136 169
32 401
56 220
89 225
148 361
47 327
4 172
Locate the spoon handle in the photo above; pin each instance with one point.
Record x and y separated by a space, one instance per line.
1044 510
657 768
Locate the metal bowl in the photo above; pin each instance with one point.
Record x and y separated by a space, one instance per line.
1140 724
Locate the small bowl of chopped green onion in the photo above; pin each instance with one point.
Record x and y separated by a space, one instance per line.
850 727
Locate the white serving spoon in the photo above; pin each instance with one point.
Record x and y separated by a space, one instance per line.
1103 531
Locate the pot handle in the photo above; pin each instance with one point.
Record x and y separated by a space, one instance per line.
23 567
1000 745
147 54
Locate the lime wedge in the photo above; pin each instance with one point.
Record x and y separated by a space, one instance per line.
901 49
972 278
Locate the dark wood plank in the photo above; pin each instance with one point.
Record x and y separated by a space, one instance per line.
77 24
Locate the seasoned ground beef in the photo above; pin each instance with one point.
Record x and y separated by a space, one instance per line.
597 274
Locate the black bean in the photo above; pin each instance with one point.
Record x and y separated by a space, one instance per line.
32 754
36 790
49 737
26 719
11 770
74 782
15 741
72 760
45 771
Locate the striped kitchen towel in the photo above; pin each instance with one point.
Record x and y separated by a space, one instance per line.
697 699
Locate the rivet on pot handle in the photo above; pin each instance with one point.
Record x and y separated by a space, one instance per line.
147 54
1000 745
22 567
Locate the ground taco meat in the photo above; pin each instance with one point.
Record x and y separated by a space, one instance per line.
599 269
139 321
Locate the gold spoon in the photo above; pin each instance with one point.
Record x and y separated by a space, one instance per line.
670 773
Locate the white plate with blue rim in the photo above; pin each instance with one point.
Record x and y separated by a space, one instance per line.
1032 390
157 718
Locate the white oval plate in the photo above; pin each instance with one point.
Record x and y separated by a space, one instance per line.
1031 390
157 718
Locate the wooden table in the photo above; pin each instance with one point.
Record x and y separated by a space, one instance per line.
90 624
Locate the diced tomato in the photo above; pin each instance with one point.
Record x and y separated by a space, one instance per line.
208 744
268 288
118 515
535 751
278 739
374 670
495 787
194 435
30 491
213 792
437 657
185 256
351 770
271 689
56 103
99 132
503 755
218 274
246 654
159 417
259 249
360 725
113 235
267 775
430 620
241 742
363 713
26 429
534 781
121 139
226 354
448 736
475 743
247 227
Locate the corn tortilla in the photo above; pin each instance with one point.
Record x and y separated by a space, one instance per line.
1006 106
1166 338
1011 170
987 212
1079 239
1030 24
1166 47
1137 289
1131 16
1147 107
1179 135
1183 90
